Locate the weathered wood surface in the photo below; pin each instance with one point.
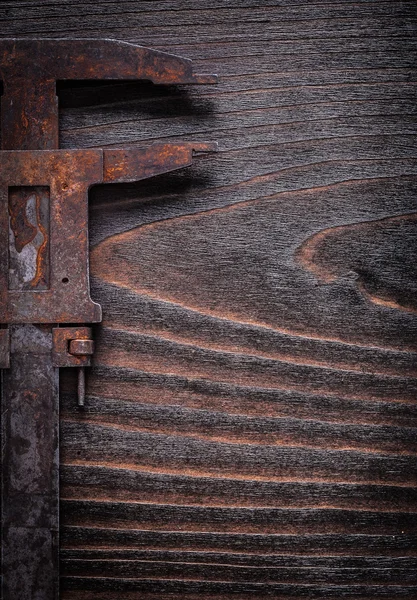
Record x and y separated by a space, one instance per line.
248 430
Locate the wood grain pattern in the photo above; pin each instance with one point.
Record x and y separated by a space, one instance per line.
249 429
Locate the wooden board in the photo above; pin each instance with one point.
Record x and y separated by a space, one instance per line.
249 424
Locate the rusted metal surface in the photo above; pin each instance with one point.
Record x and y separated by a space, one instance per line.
81 386
68 174
4 349
44 275
134 164
72 346
29 237
30 467
30 69
81 347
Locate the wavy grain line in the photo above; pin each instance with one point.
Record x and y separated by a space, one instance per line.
112 278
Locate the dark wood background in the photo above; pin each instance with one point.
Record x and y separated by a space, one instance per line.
248 431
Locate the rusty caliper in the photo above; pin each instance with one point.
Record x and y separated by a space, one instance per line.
44 280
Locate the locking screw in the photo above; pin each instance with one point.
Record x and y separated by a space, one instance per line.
81 347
